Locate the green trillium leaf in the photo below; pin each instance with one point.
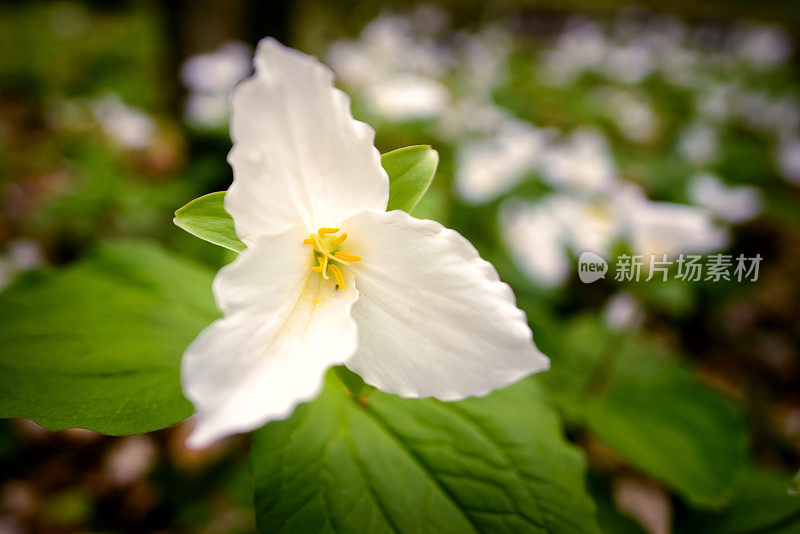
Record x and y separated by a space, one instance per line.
98 345
206 218
645 405
410 171
386 464
759 504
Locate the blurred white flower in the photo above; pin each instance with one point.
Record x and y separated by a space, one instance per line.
130 459
678 64
588 223
698 143
538 235
647 503
623 311
787 158
581 163
472 116
218 71
210 78
483 57
126 125
398 86
729 203
535 241
667 228
207 110
762 46
629 63
407 96
25 254
714 102
376 55
487 168
634 117
22 255
581 47
775 115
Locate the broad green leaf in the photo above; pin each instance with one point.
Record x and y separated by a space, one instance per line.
410 171
640 401
98 345
385 464
760 504
206 218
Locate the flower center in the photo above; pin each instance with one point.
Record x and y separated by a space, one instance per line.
326 251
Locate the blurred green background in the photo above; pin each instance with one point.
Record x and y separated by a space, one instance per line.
683 395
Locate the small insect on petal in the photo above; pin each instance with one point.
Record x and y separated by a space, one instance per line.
338 275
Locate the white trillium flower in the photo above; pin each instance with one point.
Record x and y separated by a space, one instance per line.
581 47
583 163
762 46
126 125
590 224
535 241
329 277
407 96
634 117
539 235
667 228
218 71
699 144
734 204
623 312
487 168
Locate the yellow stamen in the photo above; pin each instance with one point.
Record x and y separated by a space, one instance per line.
324 251
338 275
346 257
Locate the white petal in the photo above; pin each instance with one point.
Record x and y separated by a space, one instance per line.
298 158
284 327
433 317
